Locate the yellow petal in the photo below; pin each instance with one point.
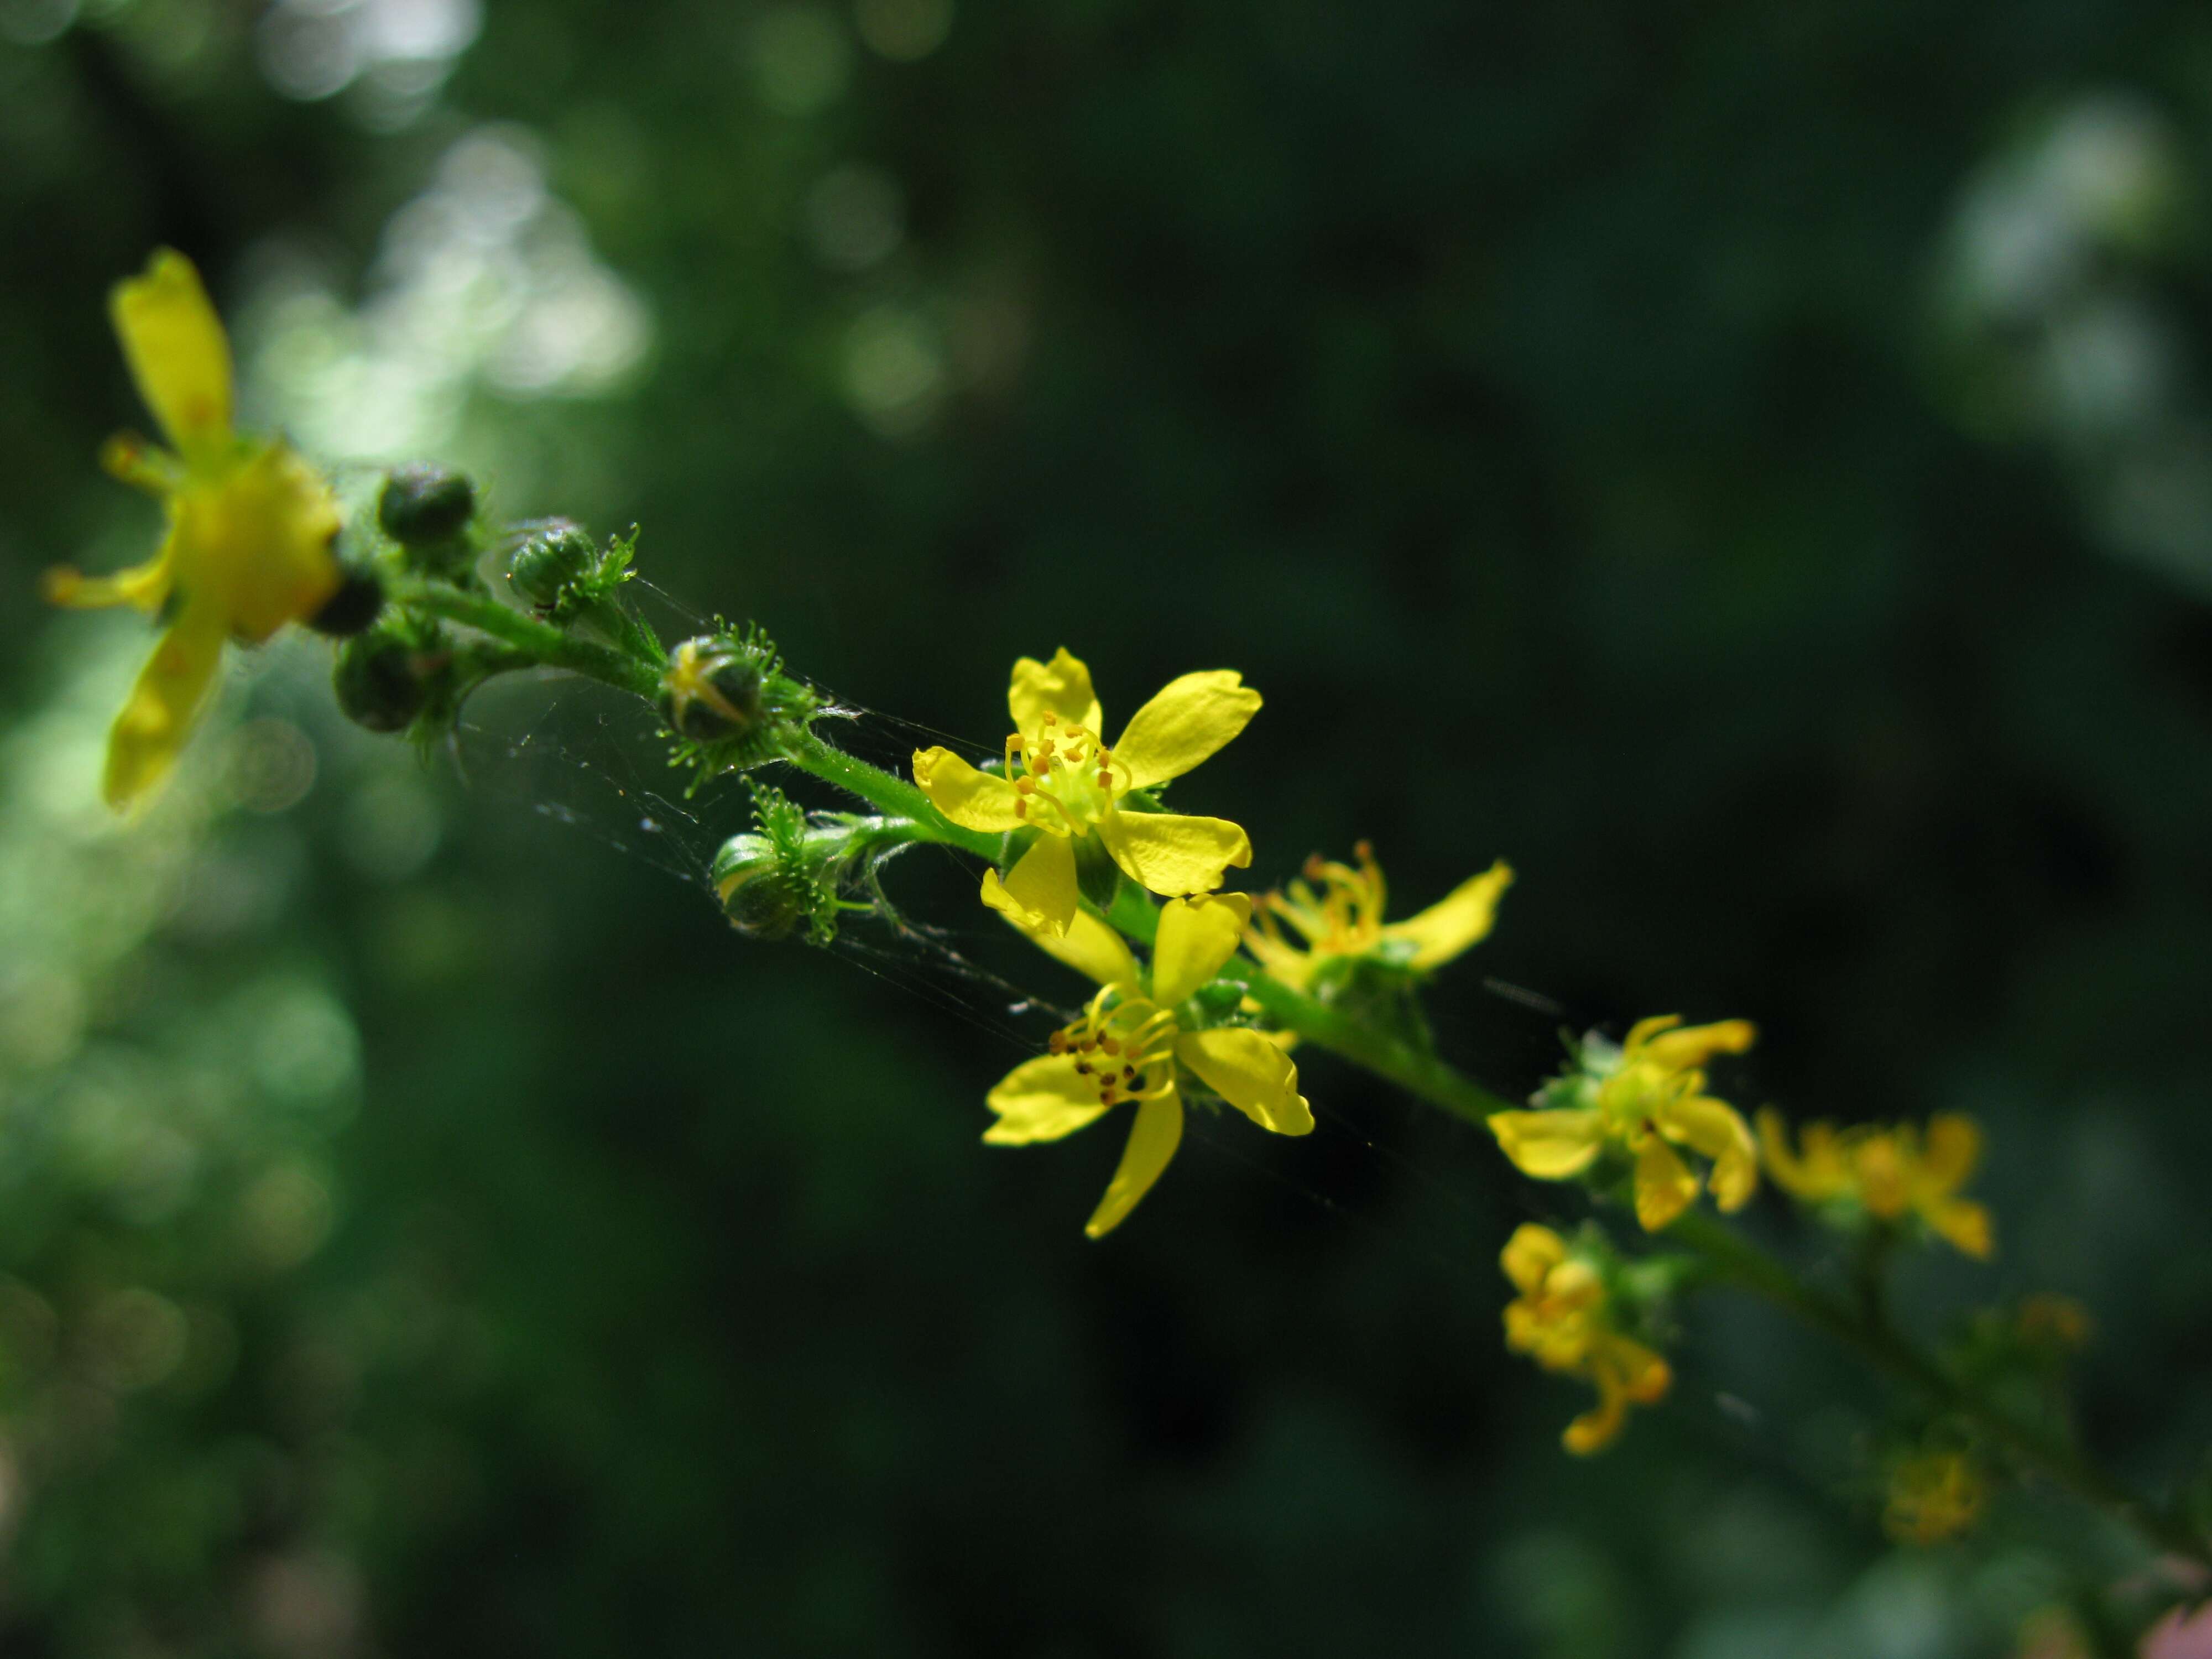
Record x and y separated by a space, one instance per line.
1694 1045
1153 1139
1090 946
259 539
1645 1374
1284 962
1039 894
1789 1170
1550 1145
1954 1148
1193 716
129 458
1967 1224
1042 1099
1664 1186
144 586
178 355
1455 921
972 799
1529 1256
1061 687
1600 1426
1252 1074
1717 1129
1172 854
1196 936
159 713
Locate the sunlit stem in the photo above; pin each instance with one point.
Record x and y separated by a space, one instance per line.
541 641
888 793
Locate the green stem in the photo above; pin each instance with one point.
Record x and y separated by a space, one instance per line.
1413 1070
542 642
888 793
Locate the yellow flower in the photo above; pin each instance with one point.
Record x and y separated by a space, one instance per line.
247 548
1063 781
1134 1042
1933 1495
1647 1097
1887 1170
1561 1319
1343 920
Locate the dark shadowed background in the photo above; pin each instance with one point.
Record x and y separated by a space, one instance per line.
1750 465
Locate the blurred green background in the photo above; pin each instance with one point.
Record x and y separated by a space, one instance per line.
1751 465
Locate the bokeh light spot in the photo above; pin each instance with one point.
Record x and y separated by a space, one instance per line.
903 30
272 765
800 60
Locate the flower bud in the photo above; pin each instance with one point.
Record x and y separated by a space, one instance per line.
557 553
424 505
757 894
357 603
383 681
711 689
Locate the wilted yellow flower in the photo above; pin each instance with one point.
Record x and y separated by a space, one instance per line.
1063 781
1647 1097
1889 1171
1336 912
1561 1321
1933 1496
250 523
1135 1042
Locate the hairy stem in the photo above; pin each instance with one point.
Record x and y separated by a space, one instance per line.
542 642
888 793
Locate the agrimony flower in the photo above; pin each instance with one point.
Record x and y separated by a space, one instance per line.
1645 1098
248 542
1887 1170
1139 1042
1063 781
1335 914
1563 1319
1933 1495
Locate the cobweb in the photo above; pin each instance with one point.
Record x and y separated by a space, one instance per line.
590 760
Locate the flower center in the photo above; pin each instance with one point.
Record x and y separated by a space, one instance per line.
1345 918
1125 1045
1066 777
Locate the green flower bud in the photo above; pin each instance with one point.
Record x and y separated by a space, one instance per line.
556 554
357 603
711 689
757 894
424 505
383 681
